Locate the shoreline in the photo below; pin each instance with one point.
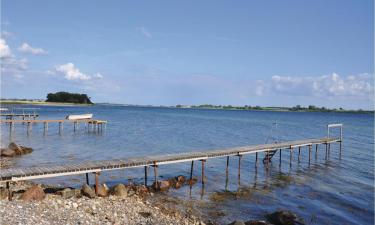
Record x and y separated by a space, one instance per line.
41 103
133 208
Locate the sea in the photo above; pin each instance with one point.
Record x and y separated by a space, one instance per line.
338 189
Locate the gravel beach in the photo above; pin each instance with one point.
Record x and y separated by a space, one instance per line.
54 209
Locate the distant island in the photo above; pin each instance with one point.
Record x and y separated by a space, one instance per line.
297 108
66 97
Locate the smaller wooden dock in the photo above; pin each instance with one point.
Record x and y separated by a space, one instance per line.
92 124
10 116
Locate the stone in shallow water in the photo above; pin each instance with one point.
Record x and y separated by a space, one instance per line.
284 218
237 222
103 190
8 152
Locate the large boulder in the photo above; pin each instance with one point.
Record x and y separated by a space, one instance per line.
192 181
120 190
284 218
103 190
8 152
180 179
141 190
88 191
35 192
16 148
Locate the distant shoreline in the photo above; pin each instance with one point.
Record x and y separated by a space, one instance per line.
234 108
31 102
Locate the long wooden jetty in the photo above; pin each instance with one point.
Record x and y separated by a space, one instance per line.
30 173
96 124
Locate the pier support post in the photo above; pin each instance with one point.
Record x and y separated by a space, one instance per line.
87 179
60 127
96 182
74 126
203 161
227 173
280 157
191 170
326 150
28 127
340 148
329 149
156 176
256 159
291 157
146 168
9 191
239 168
316 151
299 153
310 153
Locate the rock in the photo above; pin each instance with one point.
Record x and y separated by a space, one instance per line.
8 152
284 218
33 193
237 222
141 190
256 222
192 181
69 193
16 148
103 190
180 179
88 191
161 185
120 190
4 193
177 185
145 214
26 150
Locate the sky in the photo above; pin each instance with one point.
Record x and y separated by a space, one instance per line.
267 53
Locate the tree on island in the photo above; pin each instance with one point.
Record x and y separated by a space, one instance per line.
68 98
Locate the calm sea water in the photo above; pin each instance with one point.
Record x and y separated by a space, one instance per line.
334 191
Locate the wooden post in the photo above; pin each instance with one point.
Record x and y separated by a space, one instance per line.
203 161
340 147
146 175
239 168
326 150
191 171
299 153
96 182
329 149
256 159
60 127
9 191
28 127
316 151
291 157
74 126
87 179
226 173
280 157
309 153
156 176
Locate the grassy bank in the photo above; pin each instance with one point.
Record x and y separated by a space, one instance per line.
33 102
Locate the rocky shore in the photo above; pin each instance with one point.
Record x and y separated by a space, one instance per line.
50 206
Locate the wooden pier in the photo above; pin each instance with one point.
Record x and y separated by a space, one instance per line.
9 116
30 173
92 124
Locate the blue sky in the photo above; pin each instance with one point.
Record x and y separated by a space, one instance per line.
268 53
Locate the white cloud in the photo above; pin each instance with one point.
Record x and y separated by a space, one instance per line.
98 75
4 49
26 48
70 72
5 34
145 32
326 86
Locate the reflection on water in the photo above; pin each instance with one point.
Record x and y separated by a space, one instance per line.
334 188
